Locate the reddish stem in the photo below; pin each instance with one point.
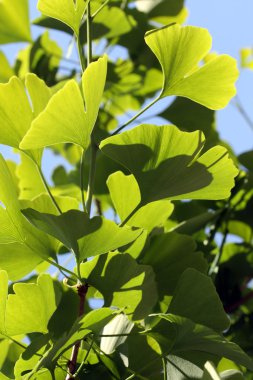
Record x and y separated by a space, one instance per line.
243 300
82 291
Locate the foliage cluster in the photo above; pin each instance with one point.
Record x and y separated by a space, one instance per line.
145 213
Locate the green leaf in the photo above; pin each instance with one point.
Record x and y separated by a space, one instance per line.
179 51
6 71
93 322
14 21
96 235
29 308
123 283
166 163
18 259
148 217
185 339
39 93
170 255
195 297
67 11
10 217
65 120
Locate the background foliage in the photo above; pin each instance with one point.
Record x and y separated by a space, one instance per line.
125 267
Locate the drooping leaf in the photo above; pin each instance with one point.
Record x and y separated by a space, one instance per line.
93 322
29 308
67 11
179 51
14 21
166 163
65 120
170 255
149 216
195 298
96 235
195 343
123 283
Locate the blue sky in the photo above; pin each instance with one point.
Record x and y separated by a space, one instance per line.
230 24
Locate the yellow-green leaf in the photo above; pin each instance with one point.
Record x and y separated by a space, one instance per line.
179 51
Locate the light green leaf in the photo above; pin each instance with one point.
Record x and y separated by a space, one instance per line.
195 297
6 71
18 260
39 93
10 217
123 283
14 21
65 119
149 216
29 308
231 374
14 125
179 51
166 163
67 11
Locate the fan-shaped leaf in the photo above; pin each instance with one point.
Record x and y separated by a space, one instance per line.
179 51
167 163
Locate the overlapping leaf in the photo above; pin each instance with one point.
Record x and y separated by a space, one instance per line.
95 236
67 11
65 119
179 51
167 163
152 215
123 283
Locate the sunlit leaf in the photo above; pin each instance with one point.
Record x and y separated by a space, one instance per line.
14 21
67 11
65 120
29 308
167 163
6 71
179 51
152 215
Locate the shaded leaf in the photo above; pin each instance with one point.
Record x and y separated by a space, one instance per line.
123 283
166 163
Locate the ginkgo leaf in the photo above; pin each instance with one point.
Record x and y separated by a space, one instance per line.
14 21
149 216
39 93
67 11
29 308
6 71
166 163
65 119
123 283
10 217
179 51
13 96
96 235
